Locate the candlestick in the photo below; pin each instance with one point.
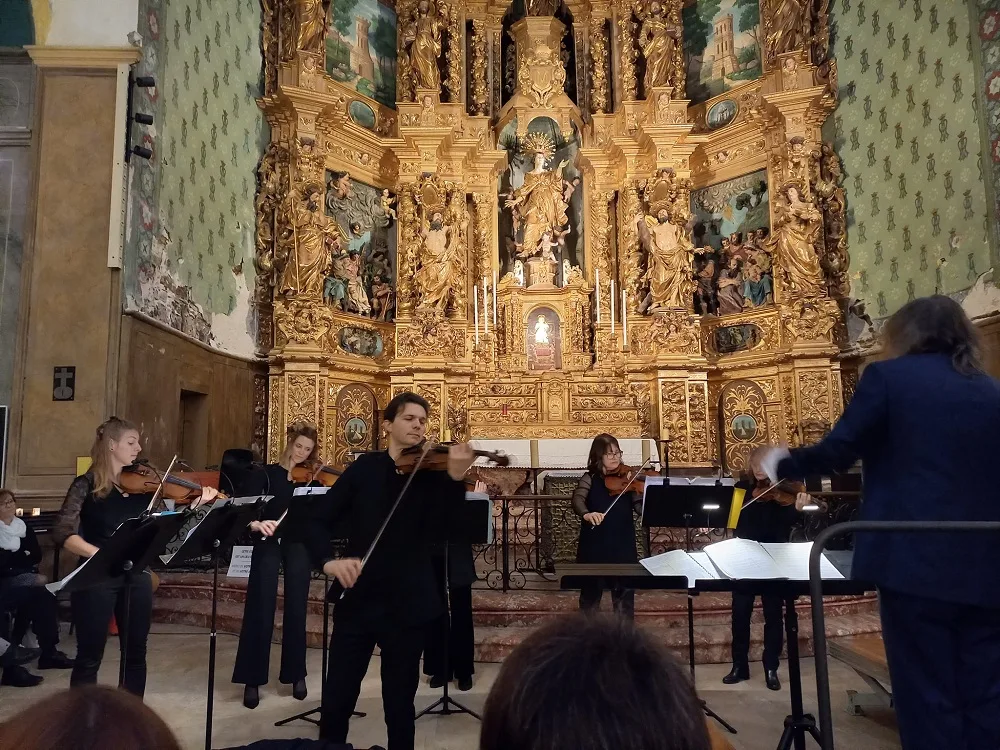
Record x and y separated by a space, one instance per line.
486 307
494 300
624 322
612 306
475 311
597 292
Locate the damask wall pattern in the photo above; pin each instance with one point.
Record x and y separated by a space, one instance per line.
908 132
190 245
987 14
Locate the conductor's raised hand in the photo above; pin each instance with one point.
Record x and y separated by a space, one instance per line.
460 460
208 495
346 571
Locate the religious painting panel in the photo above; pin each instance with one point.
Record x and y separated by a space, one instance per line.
732 251
363 271
541 205
361 48
361 341
742 423
355 421
722 46
362 114
722 113
544 339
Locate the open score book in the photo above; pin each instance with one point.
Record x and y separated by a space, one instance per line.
740 559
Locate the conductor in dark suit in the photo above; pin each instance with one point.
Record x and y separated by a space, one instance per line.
926 426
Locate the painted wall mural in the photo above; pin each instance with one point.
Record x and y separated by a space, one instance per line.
907 128
721 45
361 47
190 233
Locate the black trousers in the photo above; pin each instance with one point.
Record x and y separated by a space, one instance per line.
350 652
92 609
253 655
622 599
460 638
774 622
34 607
944 660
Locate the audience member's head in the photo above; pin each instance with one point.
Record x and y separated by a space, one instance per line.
934 325
88 718
592 683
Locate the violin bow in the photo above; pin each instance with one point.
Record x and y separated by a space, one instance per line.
755 499
630 480
156 495
392 511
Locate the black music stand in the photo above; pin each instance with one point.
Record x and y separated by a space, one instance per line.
132 547
678 503
471 524
225 521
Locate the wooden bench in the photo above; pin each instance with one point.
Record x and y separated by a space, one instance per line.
865 654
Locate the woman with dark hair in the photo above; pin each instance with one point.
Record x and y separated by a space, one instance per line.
924 424
280 548
89 718
606 536
592 683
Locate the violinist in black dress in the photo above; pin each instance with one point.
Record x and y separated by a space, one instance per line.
280 547
606 537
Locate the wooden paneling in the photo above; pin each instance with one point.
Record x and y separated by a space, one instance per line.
990 331
157 365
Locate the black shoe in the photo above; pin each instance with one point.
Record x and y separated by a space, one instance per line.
251 696
738 673
299 691
437 681
465 684
19 677
15 656
55 660
771 679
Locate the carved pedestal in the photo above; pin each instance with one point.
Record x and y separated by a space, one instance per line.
541 273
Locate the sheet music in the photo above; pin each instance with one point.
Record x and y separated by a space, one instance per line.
743 558
299 491
793 559
677 563
706 562
220 503
56 586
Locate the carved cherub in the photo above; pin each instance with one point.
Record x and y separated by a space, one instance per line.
387 203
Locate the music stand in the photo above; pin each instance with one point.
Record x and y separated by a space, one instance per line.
132 547
472 523
677 503
223 523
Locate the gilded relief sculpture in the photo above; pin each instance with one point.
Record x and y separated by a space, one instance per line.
797 227
658 40
422 40
790 24
314 239
669 251
441 265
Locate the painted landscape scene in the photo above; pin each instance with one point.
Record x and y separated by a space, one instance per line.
361 48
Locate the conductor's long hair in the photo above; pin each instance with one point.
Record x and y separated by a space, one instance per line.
934 325
100 453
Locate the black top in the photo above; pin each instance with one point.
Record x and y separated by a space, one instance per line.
23 560
273 480
397 585
95 519
614 540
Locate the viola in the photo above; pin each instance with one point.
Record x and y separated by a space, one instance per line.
437 457
325 475
142 478
626 479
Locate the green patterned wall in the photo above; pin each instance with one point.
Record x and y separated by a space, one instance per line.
191 245
908 132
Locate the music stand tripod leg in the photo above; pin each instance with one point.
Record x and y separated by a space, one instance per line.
213 635
123 624
798 724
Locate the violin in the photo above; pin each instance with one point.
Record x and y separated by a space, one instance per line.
140 479
621 480
325 475
784 493
437 457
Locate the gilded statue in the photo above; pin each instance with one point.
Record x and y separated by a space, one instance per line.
790 24
658 41
312 23
269 180
440 264
423 40
670 258
541 7
538 206
797 227
314 240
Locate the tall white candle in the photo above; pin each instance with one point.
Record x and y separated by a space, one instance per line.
597 292
475 311
624 322
494 300
612 306
486 307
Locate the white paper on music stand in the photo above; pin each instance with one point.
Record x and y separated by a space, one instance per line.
793 559
299 491
222 502
743 559
56 586
706 562
677 563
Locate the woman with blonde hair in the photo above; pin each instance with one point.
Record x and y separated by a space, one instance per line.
94 507
280 547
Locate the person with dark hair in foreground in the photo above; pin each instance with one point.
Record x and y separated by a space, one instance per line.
592 682
924 424
88 718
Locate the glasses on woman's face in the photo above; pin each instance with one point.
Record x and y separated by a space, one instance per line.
613 454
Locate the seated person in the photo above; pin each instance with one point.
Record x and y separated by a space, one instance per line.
24 594
592 683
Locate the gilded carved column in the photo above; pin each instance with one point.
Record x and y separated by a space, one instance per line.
480 65
458 214
456 52
629 252
626 45
600 221
483 238
598 64
408 244
679 77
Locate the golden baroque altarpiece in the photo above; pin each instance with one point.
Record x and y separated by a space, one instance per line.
539 168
